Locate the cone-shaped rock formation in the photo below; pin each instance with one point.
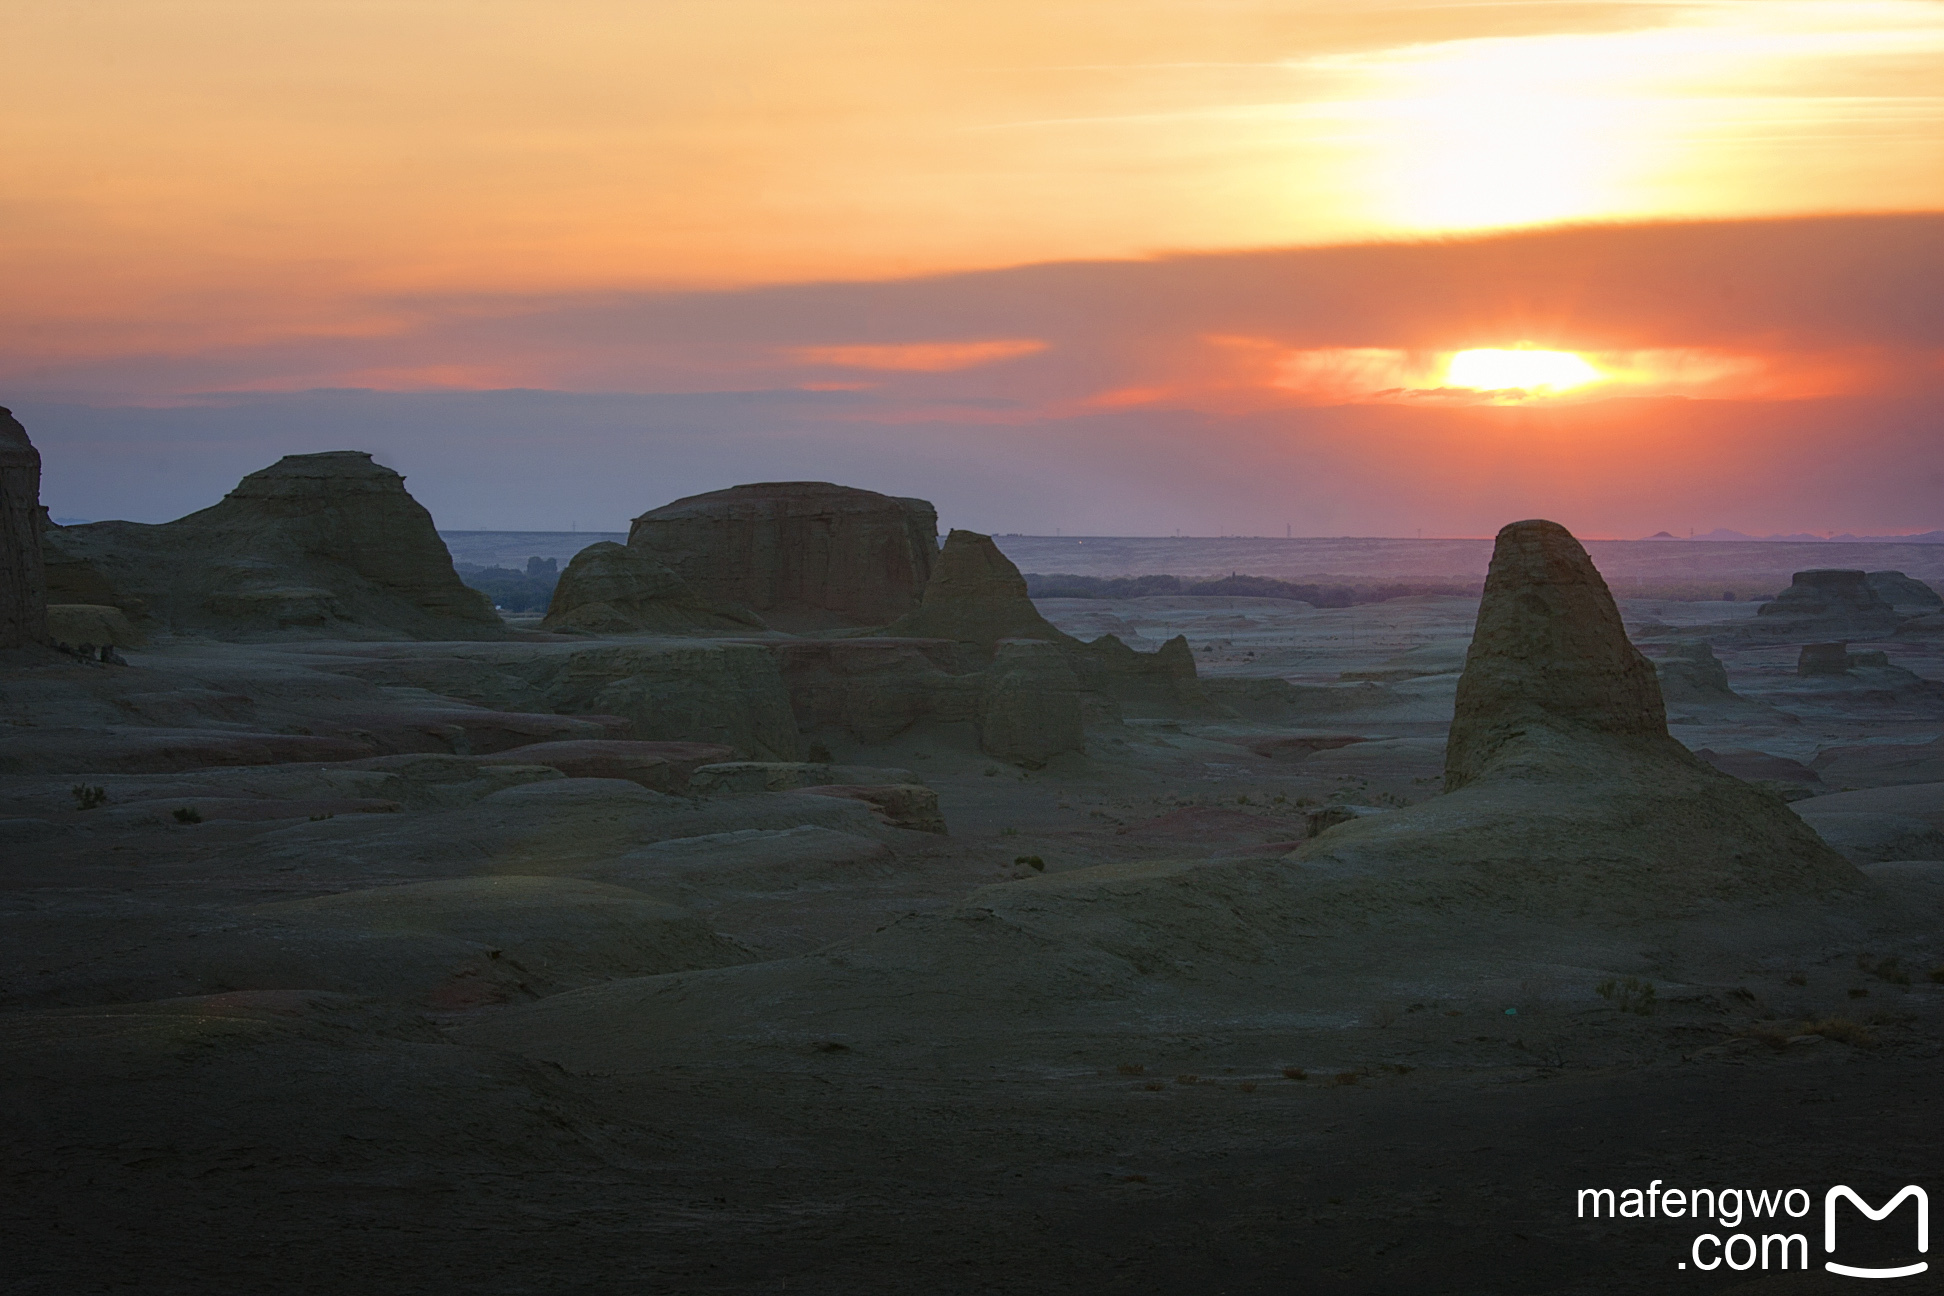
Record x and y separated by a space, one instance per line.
1548 651
612 589
1563 785
23 581
803 555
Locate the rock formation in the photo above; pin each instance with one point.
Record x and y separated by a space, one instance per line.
324 544
1031 709
976 597
1910 597
1549 654
1823 659
23 581
1563 786
614 589
1830 602
804 555
1692 668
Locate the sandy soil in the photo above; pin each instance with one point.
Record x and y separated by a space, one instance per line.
214 1086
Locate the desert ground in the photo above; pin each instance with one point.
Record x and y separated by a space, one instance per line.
712 957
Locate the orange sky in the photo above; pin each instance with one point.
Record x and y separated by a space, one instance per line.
426 195
191 171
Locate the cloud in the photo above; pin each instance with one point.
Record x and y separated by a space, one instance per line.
916 357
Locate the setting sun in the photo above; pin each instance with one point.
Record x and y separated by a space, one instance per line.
1494 369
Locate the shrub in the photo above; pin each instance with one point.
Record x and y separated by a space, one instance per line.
1031 861
188 815
87 798
1295 1073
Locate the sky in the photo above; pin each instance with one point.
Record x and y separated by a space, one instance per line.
1220 266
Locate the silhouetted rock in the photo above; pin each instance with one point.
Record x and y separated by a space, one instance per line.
23 580
976 597
320 544
1563 786
613 589
804 555
1829 601
1549 652
1907 595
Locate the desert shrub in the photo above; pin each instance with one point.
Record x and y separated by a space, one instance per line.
88 798
188 815
1033 862
1295 1073
818 754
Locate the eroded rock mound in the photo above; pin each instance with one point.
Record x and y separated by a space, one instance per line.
976 597
804 555
1031 708
1549 652
1563 786
613 589
1909 596
23 581
1832 602
324 544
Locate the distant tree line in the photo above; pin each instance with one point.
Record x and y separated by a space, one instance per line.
513 590
1063 585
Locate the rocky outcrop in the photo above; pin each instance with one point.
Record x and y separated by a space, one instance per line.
320 544
1563 787
23 580
1823 659
1549 654
1692 669
803 555
976 597
876 688
613 589
977 600
1828 602
1031 710
1908 596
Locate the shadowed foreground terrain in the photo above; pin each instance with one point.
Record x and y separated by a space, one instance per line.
634 963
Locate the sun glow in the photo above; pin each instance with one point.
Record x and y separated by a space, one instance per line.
1495 369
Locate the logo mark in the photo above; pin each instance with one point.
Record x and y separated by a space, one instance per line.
1829 1229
